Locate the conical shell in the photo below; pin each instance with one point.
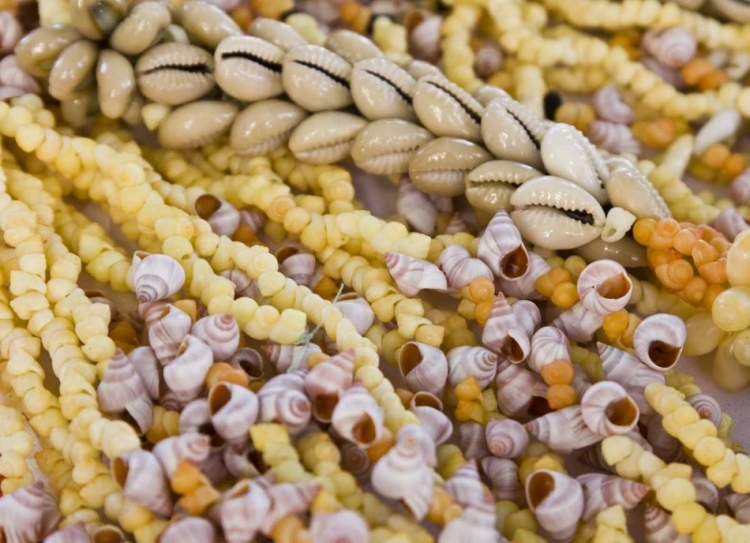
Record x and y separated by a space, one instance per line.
242 511
142 480
603 491
663 445
194 417
72 534
503 474
503 332
157 277
382 90
437 423
730 223
604 287
547 345
316 79
150 312
476 523
473 441
516 387
502 248
524 288
167 332
146 365
506 438
244 285
28 514
223 217
440 166
706 493
248 68
416 207
193 448
120 385
528 316
220 333
186 373
608 410
615 138
412 275
425 368
358 417
610 106
189 530
264 126
464 486
324 381
459 268
625 369
512 132
240 464
356 309
563 430
658 527
340 527
659 340
740 506
579 323
707 407
233 410
325 137
250 361
477 362
288 499
445 109
402 474
557 502
673 47
282 399
284 356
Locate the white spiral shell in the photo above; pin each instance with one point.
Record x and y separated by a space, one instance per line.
673 47
615 138
547 345
659 341
610 106
459 268
608 410
604 287
506 438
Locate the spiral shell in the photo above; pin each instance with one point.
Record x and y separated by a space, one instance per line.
356 309
220 332
11 75
516 387
603 491
288 499
739 190
608 410
524 288
244 285
403 474
707 407
121 390
424 368
324 381
223 217
706 493
503 332
412 275
658 527
282 399
465 362
424 36
233 410
157 277
579 323
356 461
506 438
464 486
242 511
564 430
610 106
189 530
472 441
459 268
28 514
192 447
358 417
604 287
502 249
11 32
284 356
416 207
557 502
503 475
298 265
740 506
659 341
240 464
75 533
142 480
547 345
615 138
625 369
186 373
673 47
730 223
316 79
663 445
431 416
340 527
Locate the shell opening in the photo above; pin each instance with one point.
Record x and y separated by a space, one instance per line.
105 16
199 68
207 429
426 399
107 534
206 205
516 263
614 287
512 350
540 486
476 117
323 406
663 354
622 412
218 397
402 93
286 252
338 79
120 471
579 215
251 367
409 358
537 144
267 64
364 431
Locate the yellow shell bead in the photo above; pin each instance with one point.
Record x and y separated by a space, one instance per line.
731 309
738 260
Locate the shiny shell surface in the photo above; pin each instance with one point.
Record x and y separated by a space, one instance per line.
511 133
74 70
206 24
490 185
352 47
382 90
445 109
95 19
385 147
264 126
248 68
175 73
115 80
325 138
143 27
629 189
316 78
38 50
196 123
440 166
280 34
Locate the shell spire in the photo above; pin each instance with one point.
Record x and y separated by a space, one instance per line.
501 248
412 275
503 332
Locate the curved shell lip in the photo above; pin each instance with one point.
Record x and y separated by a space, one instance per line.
629 189
567 197
551 229
264 126
489 186
508 137
382 90
316 78
248 68
384 147
175 73
446 109
74 70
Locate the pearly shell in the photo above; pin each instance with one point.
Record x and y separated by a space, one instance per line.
324 381
603 491
116 83
490 185
166 333
502 249
242 510
610 106
557 502
297 265
356 309
512 132
416 207
503 474
424 368
264 126
233 410
195 124
193 448
382 90
547 345
142 28
628 188
316 78
284 356
352 47
175 73
142 480
528 316
464 486
412 275
358 417
356 461
707 407
516 387
503 332
615 138
75 533
729 223
248 68
673 47
465 362
659 341
556 214
524 287
325 137
459 268
579 323
206 24
189 530
157 277
385 147
186 373
563 430
223 217
608 410
506 438
658 527
282 399
73 71
280 34
220 332
722 126
96 20
445 109
403 474
28 514
440 166
38 50
339 527
604 287
121 390
625 369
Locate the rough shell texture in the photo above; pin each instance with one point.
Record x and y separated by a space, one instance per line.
196 124
248 68
385 147
440 166
175 73
615 138
316 78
